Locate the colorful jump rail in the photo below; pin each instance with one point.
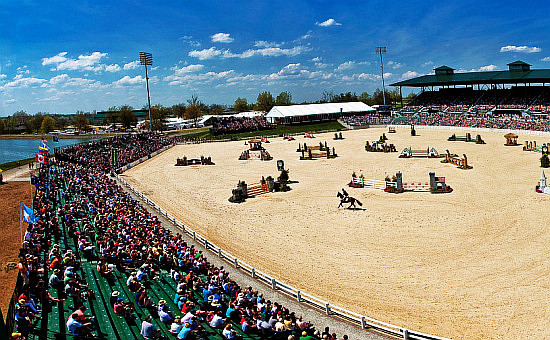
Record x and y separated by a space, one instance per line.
436 185
302 297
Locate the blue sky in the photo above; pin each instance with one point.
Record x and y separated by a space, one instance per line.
64 56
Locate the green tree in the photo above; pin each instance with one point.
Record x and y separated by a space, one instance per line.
2 126
158 116
345 98
112 117
48 124
193 112
327 96
178 110
365 98
126 115
240 105
264 102
61 121
284 98
34 123
81 122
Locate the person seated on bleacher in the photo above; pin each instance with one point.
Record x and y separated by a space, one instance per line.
164 313
142 299
55 280
263 327
123 309
44 296
176 326
185 331
229 333
77 328
305 336
85 247
81 316
148 331
23 321
73 289
247 326
104 271
217 320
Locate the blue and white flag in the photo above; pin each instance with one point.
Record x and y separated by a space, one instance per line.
28 215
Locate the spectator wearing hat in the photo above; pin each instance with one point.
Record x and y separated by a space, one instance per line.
185 331
305 336
123 309
114 298
164 314
176 326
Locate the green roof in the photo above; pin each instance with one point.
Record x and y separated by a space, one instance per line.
444 67
519 62
471 78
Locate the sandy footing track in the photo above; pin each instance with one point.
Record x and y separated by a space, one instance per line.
469 264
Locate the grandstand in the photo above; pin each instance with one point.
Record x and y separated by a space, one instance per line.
518 91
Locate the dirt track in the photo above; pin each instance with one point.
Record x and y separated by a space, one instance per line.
470 264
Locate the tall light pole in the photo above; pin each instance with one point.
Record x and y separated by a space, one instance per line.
147 59
382 50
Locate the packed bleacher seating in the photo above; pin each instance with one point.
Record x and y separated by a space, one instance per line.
530 98
235 125
98 264
368 119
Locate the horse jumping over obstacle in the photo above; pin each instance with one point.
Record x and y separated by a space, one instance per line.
461 163
194 161
428 153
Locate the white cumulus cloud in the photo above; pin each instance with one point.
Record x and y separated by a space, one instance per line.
522 49
221 38
409 74
131 65
187 69
205 54
84 62
128 81
545 59
328 22
394 64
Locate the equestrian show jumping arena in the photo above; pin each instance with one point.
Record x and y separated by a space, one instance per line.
470 264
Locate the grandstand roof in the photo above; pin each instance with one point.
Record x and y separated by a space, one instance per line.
511 76
317 109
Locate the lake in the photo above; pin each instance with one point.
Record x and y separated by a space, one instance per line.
16 149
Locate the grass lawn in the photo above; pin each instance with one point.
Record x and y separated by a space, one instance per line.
280 130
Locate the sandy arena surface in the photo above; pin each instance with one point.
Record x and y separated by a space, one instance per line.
471 264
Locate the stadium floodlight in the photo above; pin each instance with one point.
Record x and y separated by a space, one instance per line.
382 50
146 59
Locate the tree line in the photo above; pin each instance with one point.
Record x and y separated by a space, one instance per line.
193 109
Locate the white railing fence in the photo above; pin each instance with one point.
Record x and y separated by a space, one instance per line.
302 297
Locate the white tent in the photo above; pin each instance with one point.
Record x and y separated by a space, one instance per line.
320 110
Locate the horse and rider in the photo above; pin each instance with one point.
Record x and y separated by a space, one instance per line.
346 198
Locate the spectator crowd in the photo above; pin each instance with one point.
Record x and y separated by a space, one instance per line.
86 217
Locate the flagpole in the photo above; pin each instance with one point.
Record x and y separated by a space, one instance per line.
21 221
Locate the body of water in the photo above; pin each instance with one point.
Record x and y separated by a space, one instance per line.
16 149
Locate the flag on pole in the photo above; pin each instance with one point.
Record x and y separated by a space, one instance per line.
28 215
43 148
41 159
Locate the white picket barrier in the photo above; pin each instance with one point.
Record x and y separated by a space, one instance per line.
372 183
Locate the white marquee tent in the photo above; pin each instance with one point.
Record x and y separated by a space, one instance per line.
315 112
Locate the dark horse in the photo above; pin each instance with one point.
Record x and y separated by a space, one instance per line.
347 199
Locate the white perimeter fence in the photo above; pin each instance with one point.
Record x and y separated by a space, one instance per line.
463 128
357 319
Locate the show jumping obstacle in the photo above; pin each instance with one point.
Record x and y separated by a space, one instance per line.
391 129
323 151
376 146
338 136
511 139
532 146
467 138
542 188
436 185
255 151
461 163
194 161
411 153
